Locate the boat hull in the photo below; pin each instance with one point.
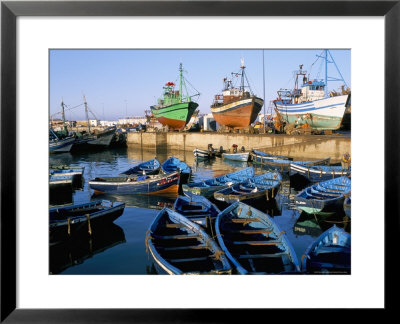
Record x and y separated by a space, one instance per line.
198 209
238 114
323 114
179 246
244 157
61 146
102 140
325 198
253 242
318 173
203 154
175 116
65 227
329 253
166 184
283 165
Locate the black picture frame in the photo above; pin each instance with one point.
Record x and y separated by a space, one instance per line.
10 10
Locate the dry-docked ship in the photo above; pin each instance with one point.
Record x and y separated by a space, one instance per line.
237 107
174 110
311 105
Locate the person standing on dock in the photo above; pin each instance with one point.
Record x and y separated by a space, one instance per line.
346 159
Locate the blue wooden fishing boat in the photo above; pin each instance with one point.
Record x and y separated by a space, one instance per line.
283 165
318 173
174 164
60 182
253 242
259 157
347 206
75 172
259 188
324 198
207 188
179 246
244 157
145 184
149 167
69 220
198 209
330 253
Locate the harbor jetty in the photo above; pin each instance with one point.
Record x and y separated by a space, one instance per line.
295 146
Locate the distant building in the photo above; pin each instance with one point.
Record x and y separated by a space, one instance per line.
134 120
108 123
59 123
208 122
94 122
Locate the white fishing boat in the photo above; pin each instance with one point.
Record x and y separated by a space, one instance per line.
311 104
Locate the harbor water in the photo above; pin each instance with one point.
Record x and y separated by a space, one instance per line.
120 248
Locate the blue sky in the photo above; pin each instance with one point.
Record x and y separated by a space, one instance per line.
120 82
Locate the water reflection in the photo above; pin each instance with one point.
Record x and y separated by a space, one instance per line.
141 201
80 248
301 229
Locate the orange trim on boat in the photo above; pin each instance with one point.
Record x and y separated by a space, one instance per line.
171 189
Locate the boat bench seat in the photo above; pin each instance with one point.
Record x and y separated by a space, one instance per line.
270 242
174 225
189 247
261 256
176 237
332 249
253 231
245 220
189 260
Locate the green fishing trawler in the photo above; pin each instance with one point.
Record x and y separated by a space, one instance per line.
175 109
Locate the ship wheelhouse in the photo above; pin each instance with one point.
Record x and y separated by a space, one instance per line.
312 90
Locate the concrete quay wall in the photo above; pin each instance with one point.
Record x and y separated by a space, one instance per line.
295 146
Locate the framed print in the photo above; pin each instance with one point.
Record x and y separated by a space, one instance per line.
96 64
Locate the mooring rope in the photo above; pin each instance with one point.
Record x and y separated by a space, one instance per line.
88 221
69 226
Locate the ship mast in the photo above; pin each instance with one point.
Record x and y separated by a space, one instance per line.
242 80
63 115
86 112
180 82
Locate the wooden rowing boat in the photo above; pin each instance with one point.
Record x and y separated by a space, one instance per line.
324 198
173 164
198 209
146 184
69 220
207 188
253 242
282 164
203 154
146 168
263 187
329 253
259 157
244 157
318 173
179 246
